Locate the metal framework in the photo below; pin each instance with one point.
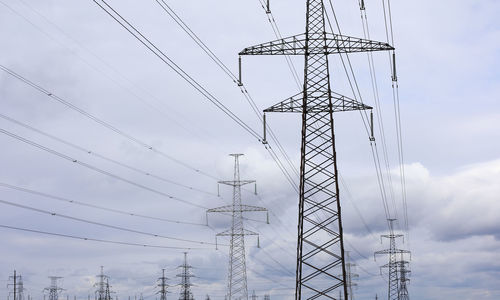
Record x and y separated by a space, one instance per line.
162 284
403 280
350 275
53 290
186 284
103 291
320 247
237 275
393 264
17 286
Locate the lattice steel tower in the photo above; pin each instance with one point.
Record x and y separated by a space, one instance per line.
237 275
186 284
403 280
103 292
350 275
53 290
162 284
393 264
320 248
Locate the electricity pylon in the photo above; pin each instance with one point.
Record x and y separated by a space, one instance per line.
53 290
17 286
320 246
403 279
20 289
102 292
392 265
237 275
350 276
254 297
186 284
162 284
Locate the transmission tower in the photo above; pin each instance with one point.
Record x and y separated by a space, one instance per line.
20 289
403 279
186 284
350 275
237 277
53 290
162 284
254 297
320 247
393 264
17 286
103 292
267 297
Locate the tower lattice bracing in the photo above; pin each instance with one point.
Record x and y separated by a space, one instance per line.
162 284
237 276
350 276
320 247
103 291
393 265
403 280
53 290
186 284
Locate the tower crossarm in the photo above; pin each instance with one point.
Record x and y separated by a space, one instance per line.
333 44
244 232
295 104
240 208
236 182
395 251
390 236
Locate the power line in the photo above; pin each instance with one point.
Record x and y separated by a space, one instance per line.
93 153
169 62
96 169
118 211
60 155
169 113
94 239
240 85
51 213
99 121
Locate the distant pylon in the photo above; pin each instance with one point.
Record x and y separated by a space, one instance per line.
392 265
267 297
237 275
320 245
162 284
254 297
403 279
53 290
186 284
20 289
350 276
103 292
17 286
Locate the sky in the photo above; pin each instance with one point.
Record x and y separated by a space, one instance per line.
447 63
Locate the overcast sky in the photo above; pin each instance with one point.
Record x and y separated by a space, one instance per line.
448 61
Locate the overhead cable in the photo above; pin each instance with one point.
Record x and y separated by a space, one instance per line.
176 68
100 121
95 239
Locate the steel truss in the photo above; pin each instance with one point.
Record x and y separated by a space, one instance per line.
320 247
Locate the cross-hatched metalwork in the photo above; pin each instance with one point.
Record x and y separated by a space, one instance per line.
185 284
392 265
320 247
403 280
237 275
53 290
